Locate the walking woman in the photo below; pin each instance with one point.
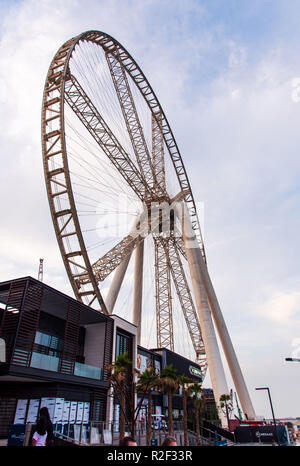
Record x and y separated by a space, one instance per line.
39 438
44 421
49 426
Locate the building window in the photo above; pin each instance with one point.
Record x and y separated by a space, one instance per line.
48 344
50 341
123 344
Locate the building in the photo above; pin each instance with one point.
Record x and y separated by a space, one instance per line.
157 359
56 352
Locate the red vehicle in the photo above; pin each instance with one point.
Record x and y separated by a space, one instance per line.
252 423
233 423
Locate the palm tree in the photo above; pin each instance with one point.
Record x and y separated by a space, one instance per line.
117 378
147 381
197 394
226 406
183 380
168 380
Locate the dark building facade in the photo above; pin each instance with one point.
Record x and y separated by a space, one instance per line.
56 352
158 359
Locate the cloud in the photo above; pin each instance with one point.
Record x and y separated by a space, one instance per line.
282 307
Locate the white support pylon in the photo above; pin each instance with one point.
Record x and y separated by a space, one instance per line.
201 281
116 283
228 348
214 361
138 289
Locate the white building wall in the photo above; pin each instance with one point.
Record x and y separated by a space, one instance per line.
132 329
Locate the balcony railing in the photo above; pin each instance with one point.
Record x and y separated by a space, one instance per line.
51 363
84 370
44 361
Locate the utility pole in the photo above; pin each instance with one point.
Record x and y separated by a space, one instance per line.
271 404
238 407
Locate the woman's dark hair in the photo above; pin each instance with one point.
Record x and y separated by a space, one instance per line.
126 440
44 412
41 425
168 440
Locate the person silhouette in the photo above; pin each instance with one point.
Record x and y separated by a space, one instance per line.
128 442
169 442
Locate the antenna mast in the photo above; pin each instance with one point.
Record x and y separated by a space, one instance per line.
41 271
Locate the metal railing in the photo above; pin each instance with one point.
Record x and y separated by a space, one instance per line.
107 433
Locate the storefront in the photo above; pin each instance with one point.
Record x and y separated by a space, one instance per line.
56 352
158 359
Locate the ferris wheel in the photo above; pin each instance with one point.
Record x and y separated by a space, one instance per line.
110 156
122 205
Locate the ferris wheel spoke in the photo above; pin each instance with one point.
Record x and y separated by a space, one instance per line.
178 240
115 256
158 156
164 319
87 113
131 117
180 245
111 260
141 82
185 298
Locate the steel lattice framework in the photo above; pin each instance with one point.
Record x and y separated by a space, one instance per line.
144 172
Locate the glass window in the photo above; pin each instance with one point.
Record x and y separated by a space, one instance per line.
123 344
49 341
42 339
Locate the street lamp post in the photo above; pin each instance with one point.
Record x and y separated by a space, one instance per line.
274 420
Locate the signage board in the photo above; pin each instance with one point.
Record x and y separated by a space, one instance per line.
86 412
107 437
116 417
58 410
66 412
33 410
182 365
94 436
79 416
77 433
262 434
50 404
157 367
21 412
16 435
147 362
73 410
195 371
143 362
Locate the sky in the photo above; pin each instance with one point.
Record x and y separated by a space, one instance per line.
227 74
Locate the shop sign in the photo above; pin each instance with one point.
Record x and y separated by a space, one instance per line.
195 371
